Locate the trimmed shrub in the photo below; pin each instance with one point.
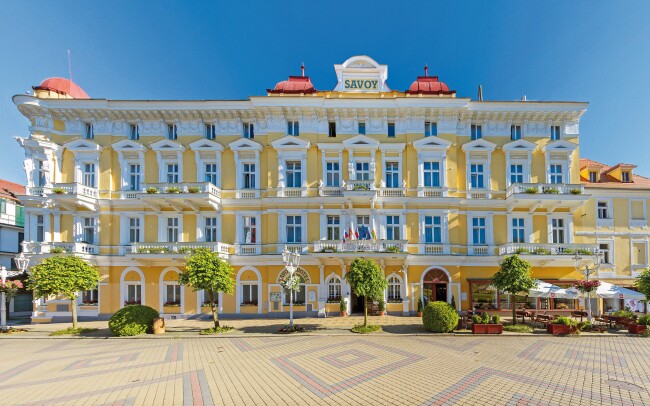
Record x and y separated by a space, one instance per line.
644 320
439 317
132 320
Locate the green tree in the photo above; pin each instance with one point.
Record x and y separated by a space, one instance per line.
643 285
513 277
63 275
367 280
205 270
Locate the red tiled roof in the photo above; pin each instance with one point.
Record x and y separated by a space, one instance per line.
295 85
607 181
429 85
9 190
62 85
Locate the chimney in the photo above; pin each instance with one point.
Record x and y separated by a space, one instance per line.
480 92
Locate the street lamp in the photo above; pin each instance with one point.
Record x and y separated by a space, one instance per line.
21 264
291 261
587 271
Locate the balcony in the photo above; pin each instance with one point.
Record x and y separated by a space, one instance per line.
604 223
330 191
379 246
292 192
424 191
392 191
247 193
71 195
30 247
545 195
434 249
165 248
638 223
178 195
248 249
548 249
480 250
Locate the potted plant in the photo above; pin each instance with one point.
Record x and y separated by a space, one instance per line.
193 189
551 191
173 189
562 326
382 307
343 308
58 191
57 250
392 248
420 307
575 191
531 190
152 190
486 324
640 326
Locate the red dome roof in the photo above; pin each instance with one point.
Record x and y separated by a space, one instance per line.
62 85
295 85
429 85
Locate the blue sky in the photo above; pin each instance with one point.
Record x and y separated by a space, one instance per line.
551 50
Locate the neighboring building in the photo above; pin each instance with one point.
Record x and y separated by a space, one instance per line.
434 187
11 222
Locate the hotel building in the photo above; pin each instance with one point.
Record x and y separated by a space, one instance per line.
435 188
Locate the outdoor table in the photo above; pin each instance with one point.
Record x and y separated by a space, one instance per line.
580 314
524 314
544 318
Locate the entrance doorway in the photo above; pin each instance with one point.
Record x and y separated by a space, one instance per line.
357 303
434 286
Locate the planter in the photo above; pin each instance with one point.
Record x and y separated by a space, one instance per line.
172 309
381 313
159 325
344 314
487 329
558 329
634 328
419 314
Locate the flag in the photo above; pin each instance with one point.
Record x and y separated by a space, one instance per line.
351 234
345 236
356 234
374 235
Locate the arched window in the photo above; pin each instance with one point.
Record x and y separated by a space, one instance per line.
334 289
394 289
299 296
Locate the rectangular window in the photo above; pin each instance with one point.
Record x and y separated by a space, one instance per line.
515 132
518 230
555 132
516 174
433 229
90 297
250 230
392 175
40 228
363 228
173 294
249 294
332 129
430 129
172 229
593 176
479 230
392 228
40 173
362 128
134 134
332 173
134 177
476 176
172 173
431 171
210 131
557 231
603 210
333 228
625 177
293 128
294 229
134 229
249 130
172 131
294 174
249 176
88 231
3 206
362 171
90 131
605 253
555 173
88 175
211 173
133 294
210 230
476 132
391 130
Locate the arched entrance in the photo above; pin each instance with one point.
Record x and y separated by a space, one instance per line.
435 286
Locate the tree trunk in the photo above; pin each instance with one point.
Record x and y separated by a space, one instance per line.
213 307
365 312
514 309
73 309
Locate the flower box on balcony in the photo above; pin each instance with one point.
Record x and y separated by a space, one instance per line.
193 189
487 329
173 189
152 190
634 328
131 302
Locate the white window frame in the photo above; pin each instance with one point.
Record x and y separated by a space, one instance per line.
293 128
207 152
172 131
125 227
129 153
89 131
489 228
391 226
79 225
168 152
568 228
240 223
86 174
526 227
332 228
391 153
476 132
134 132
248 130
162 227
555 132
210 131
284 224
394 288
553 176
332 285
516 132
444 220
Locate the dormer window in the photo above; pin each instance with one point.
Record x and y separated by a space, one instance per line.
332 129
593 176
293 128
476 132
626 177
391 130
362 128
249 130
430 129
134 133
210 131
555 132
90 132
172 131
515 132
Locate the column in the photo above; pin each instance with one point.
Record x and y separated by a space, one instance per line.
345 286
444 182
47 235
57 227
405 292
322 296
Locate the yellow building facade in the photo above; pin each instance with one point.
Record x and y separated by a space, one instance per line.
435 188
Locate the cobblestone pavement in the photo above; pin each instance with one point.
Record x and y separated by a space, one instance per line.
333 369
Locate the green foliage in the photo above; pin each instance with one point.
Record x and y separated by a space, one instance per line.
152 190
193 189
542 251
583 251
551 191
72 331
382 305
369 328
643 283
645 333
585 326
173 189
531 190
477 319
564 321
519 328
522 251
453 301
575 191
58 191
440 317
393 248
486 319
644 320
57 250
342 306
367 280
496 319
624 313
514 276
132 320
216 330
420 305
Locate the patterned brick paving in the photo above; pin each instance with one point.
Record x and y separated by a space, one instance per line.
333 370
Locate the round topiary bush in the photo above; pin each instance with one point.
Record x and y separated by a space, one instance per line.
439 317
132 320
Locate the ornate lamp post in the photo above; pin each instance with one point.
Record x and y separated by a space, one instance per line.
587 271
291 261
21 264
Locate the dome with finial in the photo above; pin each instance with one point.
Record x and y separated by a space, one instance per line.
294 85
429 85
63 87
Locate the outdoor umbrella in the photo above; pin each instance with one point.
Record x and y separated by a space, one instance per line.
609 291
548 290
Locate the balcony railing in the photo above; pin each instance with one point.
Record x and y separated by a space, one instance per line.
247 194
248 249
178 188
435 249
392 191
360 246
292 191
75 189
545 189
638 223
424 191
548 249
360 185
330 191
176 247
31 247
37 190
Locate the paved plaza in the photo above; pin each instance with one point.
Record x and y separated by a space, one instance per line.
262 369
